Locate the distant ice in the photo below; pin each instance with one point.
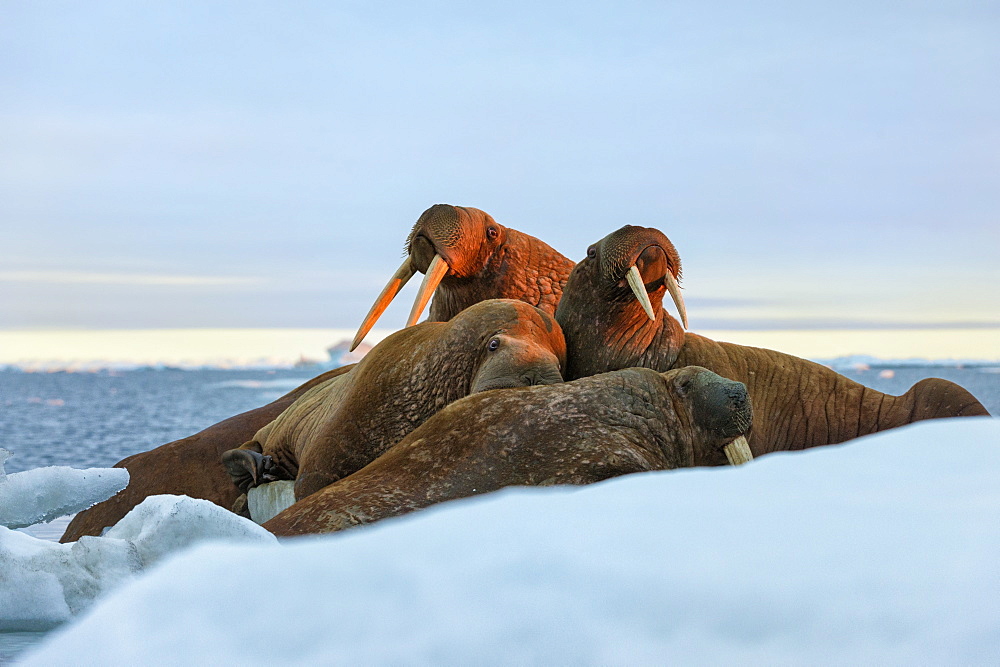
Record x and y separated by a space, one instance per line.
43 494
865 361
44 584
286 384
880 551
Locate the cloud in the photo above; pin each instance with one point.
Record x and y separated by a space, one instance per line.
93 278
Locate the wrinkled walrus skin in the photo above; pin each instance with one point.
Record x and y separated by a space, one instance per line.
189 466
796 403
345 424
497 264
578 432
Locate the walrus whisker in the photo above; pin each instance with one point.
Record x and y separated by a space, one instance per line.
675 294
639 289
400 278
738 451
435 273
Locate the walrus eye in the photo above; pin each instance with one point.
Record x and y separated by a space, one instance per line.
493 344
592 252
492 233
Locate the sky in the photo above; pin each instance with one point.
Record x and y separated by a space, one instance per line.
235 165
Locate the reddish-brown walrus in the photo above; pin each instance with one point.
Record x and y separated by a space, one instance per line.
612 316
485 260
468 257
344 424
578 432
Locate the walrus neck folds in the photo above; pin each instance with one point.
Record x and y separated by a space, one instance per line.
607 335
524 269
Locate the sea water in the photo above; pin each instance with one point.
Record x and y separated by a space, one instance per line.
97 419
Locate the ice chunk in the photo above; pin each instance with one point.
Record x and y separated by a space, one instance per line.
43 584
43 494
268 500
164 524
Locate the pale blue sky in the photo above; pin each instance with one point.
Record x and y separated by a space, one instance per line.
191 164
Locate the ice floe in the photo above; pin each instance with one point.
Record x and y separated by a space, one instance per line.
879 551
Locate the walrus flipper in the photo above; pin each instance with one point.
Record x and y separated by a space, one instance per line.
248 468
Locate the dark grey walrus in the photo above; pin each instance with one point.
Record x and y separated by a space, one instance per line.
571 433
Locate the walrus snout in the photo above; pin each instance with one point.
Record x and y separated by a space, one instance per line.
720 406
530 378
422 253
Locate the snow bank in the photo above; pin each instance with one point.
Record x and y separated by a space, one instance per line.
43 494
43 584
881 551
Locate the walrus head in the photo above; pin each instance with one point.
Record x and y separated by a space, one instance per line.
611 307
467 257
719 410
517 345
446 241
635 262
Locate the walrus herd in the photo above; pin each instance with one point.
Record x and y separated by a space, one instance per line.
531 369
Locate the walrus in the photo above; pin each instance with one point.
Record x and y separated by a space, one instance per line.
467 257
489 260
578 432
346 423
612 317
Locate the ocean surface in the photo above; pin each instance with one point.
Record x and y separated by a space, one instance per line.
96 419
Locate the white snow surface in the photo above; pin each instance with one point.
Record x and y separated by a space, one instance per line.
44 494
44 584
880 551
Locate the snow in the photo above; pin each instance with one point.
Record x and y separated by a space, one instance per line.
164 524
44 494
44 584
879 551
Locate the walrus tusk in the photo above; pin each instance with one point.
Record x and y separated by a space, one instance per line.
435 272
400 278
675 294
639 289
738 451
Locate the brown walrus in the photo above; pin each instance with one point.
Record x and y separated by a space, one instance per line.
346 423
578 432
468 257
612 316
487 264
